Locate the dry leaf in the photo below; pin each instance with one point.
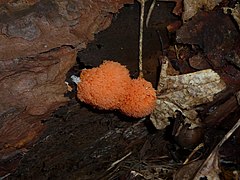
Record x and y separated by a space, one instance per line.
198 62
191 7
172 27
210 31
235 13
208 168
178 7
211 169
182 93
187 171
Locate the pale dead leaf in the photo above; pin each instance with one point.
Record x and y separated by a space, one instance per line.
191 7
210 167
235 13
202 168
187 171
182 93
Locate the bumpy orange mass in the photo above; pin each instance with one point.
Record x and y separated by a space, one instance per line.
109 87
105 86
140 99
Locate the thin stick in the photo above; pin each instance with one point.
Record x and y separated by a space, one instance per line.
229 134
118 161
193 152
142 2
150 12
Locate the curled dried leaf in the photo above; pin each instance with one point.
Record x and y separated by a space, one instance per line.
182 93
191 7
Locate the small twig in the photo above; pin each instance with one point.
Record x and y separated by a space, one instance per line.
5 176
228 134
142 2
161 41
118 161
150 12
176 51
135 174
193 152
